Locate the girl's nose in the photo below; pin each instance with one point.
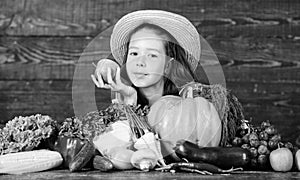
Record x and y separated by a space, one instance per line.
140 62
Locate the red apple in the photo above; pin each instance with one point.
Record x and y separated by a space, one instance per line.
281 159
297 159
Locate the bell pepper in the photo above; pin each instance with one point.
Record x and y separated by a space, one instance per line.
70 147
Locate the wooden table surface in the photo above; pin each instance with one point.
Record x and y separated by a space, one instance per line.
135 174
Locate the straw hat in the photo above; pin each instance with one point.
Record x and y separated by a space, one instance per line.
178 26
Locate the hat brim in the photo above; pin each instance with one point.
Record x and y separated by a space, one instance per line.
178 26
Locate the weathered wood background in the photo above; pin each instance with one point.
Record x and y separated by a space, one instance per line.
257 43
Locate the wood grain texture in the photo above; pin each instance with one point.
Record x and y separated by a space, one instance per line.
257 43
136 174
61 18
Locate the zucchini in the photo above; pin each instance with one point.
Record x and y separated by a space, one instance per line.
223 157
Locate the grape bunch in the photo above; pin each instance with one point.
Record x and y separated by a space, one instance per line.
260 141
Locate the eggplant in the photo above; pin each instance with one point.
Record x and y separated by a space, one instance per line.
223 157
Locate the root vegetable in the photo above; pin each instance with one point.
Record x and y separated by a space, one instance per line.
144 159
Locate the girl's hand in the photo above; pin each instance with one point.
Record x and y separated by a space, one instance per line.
100 75
129 93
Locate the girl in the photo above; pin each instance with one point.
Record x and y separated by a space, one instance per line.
160 51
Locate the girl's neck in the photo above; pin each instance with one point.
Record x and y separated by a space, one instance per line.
154 92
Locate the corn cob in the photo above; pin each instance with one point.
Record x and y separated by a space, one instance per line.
29 161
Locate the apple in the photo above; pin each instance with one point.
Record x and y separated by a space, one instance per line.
281 159
297 159
105 74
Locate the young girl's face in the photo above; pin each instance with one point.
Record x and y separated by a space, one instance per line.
146 58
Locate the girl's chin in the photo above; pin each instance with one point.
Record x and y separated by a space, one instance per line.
145 82
140 84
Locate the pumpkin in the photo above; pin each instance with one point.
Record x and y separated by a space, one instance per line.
192 119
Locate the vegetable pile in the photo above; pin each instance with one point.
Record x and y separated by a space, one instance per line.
208 160
253 148
260 141
130 143
105 129
120 138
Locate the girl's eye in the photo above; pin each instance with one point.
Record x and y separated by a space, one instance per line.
152 56
133 53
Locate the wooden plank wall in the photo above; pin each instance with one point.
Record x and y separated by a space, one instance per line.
257 43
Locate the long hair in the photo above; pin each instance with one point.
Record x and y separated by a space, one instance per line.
173 51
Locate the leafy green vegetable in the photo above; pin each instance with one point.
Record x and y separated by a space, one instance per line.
97 122
71 127
26 133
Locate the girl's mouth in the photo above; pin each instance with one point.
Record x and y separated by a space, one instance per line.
140 75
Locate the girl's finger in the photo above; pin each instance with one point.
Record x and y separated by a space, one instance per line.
118 76
105 86
95 80
109 78
100 80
